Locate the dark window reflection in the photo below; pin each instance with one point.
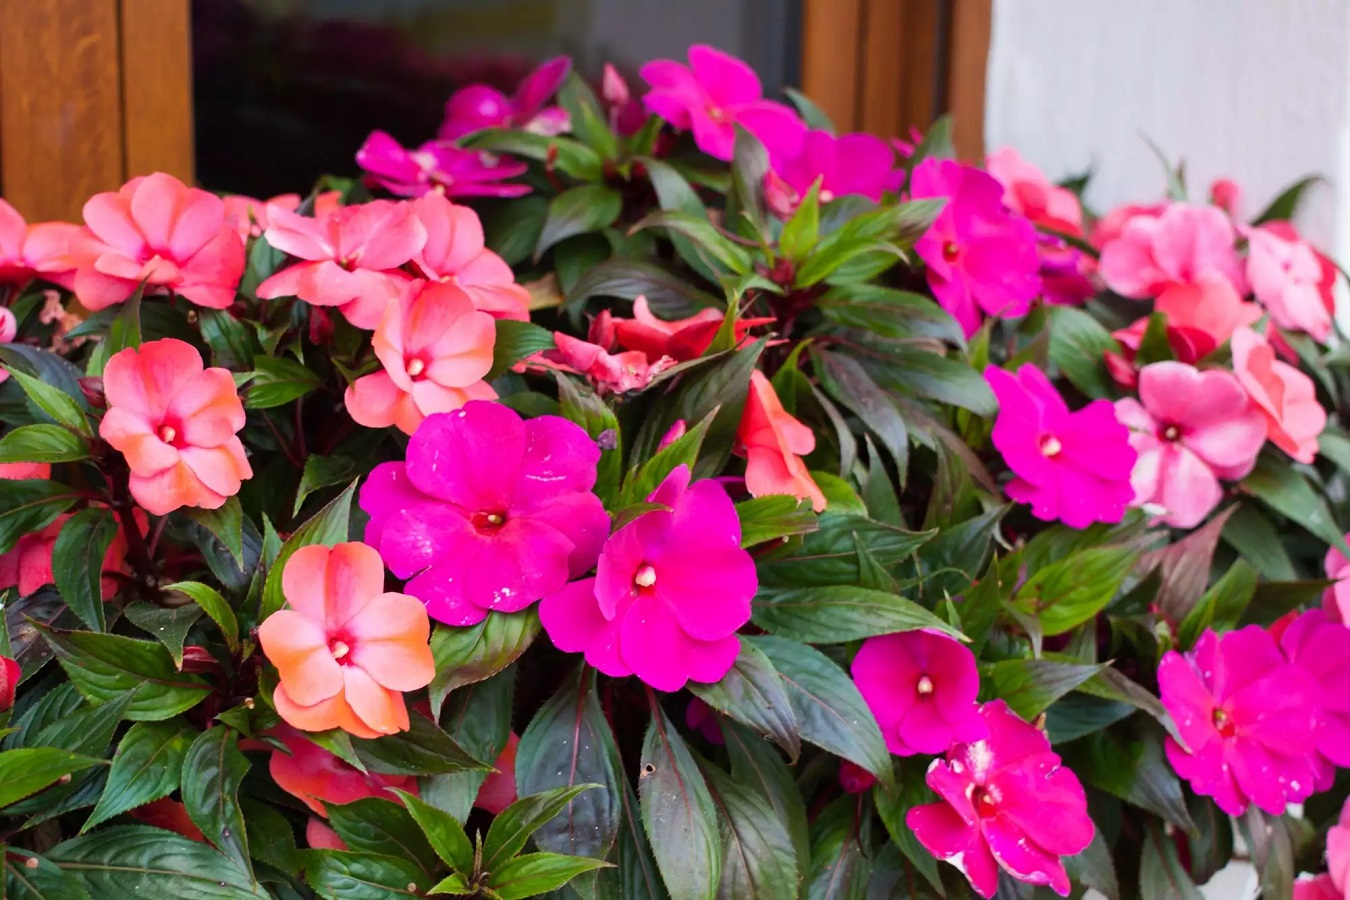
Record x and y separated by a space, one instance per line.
287 90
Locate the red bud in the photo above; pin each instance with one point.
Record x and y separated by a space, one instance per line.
92 388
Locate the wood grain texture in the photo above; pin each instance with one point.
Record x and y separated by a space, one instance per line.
971 29
921 37
832 58
157 87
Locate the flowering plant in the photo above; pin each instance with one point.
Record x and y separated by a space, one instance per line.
655 493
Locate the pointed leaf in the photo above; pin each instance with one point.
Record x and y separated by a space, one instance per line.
678 814
445 836
212 772
139 861
752 693
30 769
214 605
836 614
77 562
145 768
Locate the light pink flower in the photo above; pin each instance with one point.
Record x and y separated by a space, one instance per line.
478 106
1072 466
1191 428
1006 801
1285 396
455 253
1291 279
1248 718
1026 190
490 512
249 216
860 164
439 166
1180 246
671 589
1338 851
921 686
1336 599
609 373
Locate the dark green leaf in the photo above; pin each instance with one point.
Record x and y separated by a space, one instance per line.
759 860
77 562
225 522
322 472
709 244
232 346
381 826
752 693
1078 344
669 294
674 192
277 381
42 443
1252 535
587 409
30 769
31 877
756 765
1030 686
683 451
124 332
168 626
847 381
888 313
478 717
838 866
1068 593
212 772
1221 606
893 805
578 210
678 814
745 200
584 116
1283 207
920 373
208 599
62 408
1184 566
145 768
138 861
773 518
329 526
1285 490
836 614
829 555
811 114
635 874
1162 875
516 341
1094 868
105 665
466 655
342 875
424 749
1135 771
572 158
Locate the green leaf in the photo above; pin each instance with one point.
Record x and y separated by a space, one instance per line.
917 372
139 861
424 749
512 827
145 768
322 472
1162 874
1030 686
814 117
773 518
893 805
232 345
77 562
683 451
32 877
759 860
678 814
670 295
453 883
1283 207
936 143
752 693
105 665
1112 684
1184 567
124 332
277 381
847 381
329 526
578 210
226 523
1094 868
1254 536
635 874
587 409
757 766
343 875
836 614
1221 606
829 710
467 655
214 605
1274 844
572 158
212 772
30 769
1078 344
43 444
829 555
745 200
516 341
890 314
478 717
1284 489
673 192
168 626
381 826
60 406
539 873
706 241
1135 771
584 116
839 870
29 506
1068 593
443 834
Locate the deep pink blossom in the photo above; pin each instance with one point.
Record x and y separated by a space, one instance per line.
1316 887
1191 428
439 166
1072 466
626 115
1291 279
670 591
478 106
1026 190
489 512
854 779
1321 647
609 373
1176 247
712 95
1248 718
1336 599
705 720
1285 395
455 253
1007 801
921 686
981 257
860 164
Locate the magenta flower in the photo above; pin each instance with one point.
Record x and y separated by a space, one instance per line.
1072 466
1248 718
480 106
1321 648
489 512
982 259
849 164
438 166
1191 428
1006 801
712 95
854 779
921 686
669 593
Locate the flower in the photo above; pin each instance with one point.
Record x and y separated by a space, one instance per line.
435 348
10 675
981 258
711 96
1072 466
27 566
21 471
1321 647
169 814
854 779
921 686
314 776
490 512
1338 851
27 251
1291 279
157 231
670 591
626 116
1026 190
1177 247
345 650
347 258
702 718
1319 887
1226 194
1190 428
249 216
478 106
177 425
499 789
9 329
1284 395
858 164
1247 717
680 339
773 443
454 253
609 373
1006 800
1336 599
320 837
439 166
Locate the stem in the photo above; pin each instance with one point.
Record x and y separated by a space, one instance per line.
154 537
300 428
282 442
137 551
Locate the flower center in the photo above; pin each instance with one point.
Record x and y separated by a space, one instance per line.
1050 445
985 800
339 645
925 686
488 521
1171 433
1224 723
168 434
715 113
645 577
416 366
950 251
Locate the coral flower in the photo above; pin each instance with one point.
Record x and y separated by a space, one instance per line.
1336 599
27 250
1072 466
478 106
712 95
981 258
314 776
680 339
1007 801
1179 246
249 216
490 512
858 164
435 349
1026 190
320 837
157 231
499 789
28 565
21 471
1191 428
1285 396
345 650
347 258
439 166
177 426
1248 718
1321 647
1291 279
773 443
455 254
608 373
670 591
171 815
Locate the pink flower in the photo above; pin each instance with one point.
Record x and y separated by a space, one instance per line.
313 775
1285 396
438 166
1226 194
1180 246
161 232
1248 718
712 95
981 258
489 512
1110 226
499 789
249 216
348 258
1291 279
1321 647
1191 428
454 253
680 339
626 116
28 565
1006 801
21 471
1338 851
1026 190
9 329
609 373
1073 466
1064 272
1336 599
848 164
671 589
921 686
480 106
1319 887
435 349
705 720
10 673
854 779
320 837
27 251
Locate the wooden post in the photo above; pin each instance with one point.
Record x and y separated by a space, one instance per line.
966 75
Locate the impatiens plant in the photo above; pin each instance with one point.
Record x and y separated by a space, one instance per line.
654 493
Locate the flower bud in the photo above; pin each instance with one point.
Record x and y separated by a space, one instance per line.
676 432
613 88
9 682
92 388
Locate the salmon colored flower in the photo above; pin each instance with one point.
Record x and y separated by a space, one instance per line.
680 339
249 216
28 251
314 776
499 789
21 471
773 443
177 425
345 650
435 349
159 231
320 837
171 815
1026 190
456 254
1285 396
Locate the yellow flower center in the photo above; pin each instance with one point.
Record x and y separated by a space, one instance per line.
645 577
